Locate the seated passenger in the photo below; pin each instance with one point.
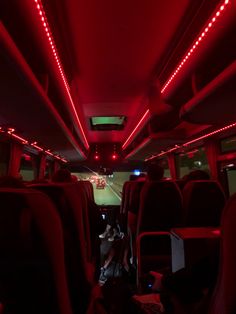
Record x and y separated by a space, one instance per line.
62 175
195 175
11 182
188 288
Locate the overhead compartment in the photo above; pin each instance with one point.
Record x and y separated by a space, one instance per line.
163 117
216 102
26 107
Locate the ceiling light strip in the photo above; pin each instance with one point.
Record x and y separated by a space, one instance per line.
21 139
225 128
188 54
36 146
52 44
10 131
144 143
146 114
197 43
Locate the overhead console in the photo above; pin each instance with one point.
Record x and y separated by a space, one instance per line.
26 107
216 102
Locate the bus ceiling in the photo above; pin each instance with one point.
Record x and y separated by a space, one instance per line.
162 66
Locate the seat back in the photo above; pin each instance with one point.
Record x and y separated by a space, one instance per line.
125 205
160 206
32 273
203 202
224 296
125 196
134 195
89 189
71 204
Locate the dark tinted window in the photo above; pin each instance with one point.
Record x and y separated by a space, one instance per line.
228 144
26 167
4 158
191 160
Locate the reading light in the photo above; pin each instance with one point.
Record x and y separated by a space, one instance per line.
114 156
96 157
52 44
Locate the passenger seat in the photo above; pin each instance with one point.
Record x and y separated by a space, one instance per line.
32 268
203 203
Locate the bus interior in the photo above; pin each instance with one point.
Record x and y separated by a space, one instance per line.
103 90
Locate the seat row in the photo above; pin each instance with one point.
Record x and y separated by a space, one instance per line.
160 205
47 258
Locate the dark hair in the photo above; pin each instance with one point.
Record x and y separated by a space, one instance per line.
197 175
62 175
155 172
133 177
11 182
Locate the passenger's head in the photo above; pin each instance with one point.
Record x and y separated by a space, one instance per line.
62 175
197 175
155 172
11 182
133 177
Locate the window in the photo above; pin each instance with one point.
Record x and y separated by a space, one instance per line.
107 188
26 167
163 162
191 160
231 176
228 144
48 169
4 158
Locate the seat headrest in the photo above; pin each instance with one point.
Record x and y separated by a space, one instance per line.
203 202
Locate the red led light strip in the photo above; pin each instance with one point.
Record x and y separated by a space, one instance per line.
10 131
135 129
21 139
196 44
193 141
36 146
145 142
51 41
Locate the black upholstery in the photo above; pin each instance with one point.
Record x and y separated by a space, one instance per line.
203 202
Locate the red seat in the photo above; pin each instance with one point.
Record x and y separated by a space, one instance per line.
160 210
160 206
32 267
224 297
125 204
71 203
203 202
